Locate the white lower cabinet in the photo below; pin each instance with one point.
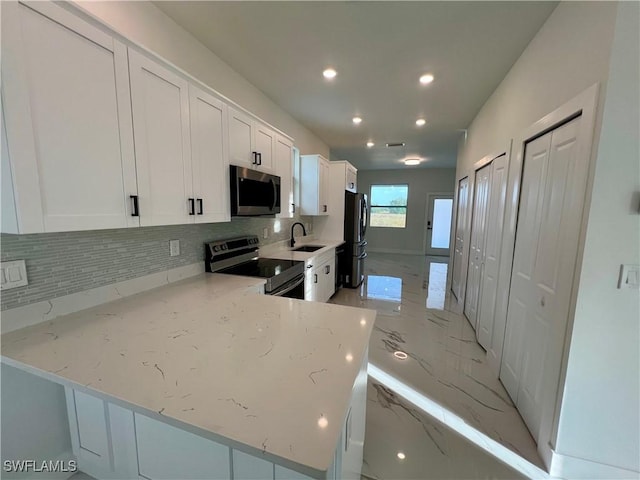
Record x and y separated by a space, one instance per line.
167 453
112 442
320 277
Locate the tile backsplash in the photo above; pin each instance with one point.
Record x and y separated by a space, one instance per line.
69 262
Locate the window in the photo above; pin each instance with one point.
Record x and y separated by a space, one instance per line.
389 206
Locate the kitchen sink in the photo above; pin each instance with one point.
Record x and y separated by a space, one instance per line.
308 248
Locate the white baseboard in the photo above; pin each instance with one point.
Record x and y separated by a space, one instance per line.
395 250
566 466
34 313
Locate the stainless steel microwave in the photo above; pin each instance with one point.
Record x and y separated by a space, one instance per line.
254 193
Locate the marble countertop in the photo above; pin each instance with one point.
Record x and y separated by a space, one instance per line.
257 370
284 252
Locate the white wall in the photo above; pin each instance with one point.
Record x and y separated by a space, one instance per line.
600 415
34 420
147 25
572 51
421 181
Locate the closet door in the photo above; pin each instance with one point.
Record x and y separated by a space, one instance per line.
544 262
476 245
461 224
493 242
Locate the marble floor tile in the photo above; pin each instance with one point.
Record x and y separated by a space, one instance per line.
417 316
429 449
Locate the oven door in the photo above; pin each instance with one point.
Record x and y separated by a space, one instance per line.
291 289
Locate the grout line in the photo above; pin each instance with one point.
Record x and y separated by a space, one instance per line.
458 424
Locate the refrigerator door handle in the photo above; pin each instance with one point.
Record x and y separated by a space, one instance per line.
364 214
363 256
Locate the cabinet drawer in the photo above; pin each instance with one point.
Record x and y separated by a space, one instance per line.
166 452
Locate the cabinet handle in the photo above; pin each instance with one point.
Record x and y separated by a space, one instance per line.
309 266
315 278
327 269
200 207
293 208
259 159
324 208
192 206
255 158
135 211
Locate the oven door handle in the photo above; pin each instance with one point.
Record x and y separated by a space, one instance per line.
288 287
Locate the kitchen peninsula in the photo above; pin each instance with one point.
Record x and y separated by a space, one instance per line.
206 378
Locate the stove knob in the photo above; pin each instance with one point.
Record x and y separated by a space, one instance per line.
216 248
225 247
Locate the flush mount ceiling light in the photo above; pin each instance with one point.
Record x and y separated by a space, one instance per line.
426 79
370 144
357 120
323 422
401 456
400 355
329 74
420 122
412 161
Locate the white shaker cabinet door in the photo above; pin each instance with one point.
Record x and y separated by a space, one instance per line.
265 145
68 121
160 101
351 183
284 169
248 467
241 152
210 161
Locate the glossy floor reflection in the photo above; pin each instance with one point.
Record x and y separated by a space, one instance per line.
444 362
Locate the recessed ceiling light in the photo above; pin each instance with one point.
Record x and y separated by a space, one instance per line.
349 357
401 456
412 161
323 422
400 355
329 73
370 144
420 122
426 79
357 120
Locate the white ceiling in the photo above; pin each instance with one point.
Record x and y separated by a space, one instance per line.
379 50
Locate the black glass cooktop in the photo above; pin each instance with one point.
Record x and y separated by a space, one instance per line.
261 267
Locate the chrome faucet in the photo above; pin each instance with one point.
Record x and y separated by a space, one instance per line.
304 233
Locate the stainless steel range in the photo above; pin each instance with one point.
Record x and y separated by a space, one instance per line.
239 256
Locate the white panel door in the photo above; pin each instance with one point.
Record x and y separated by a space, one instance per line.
493 241
265 145
284 169
67 108
476 244
554 266
160 101
457 283
439 216
210 162
241 151
551 204
533 178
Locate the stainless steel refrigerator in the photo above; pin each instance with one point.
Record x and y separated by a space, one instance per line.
355 227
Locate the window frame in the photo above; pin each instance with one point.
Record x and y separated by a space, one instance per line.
372 206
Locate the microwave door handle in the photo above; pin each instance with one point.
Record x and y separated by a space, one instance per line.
275 194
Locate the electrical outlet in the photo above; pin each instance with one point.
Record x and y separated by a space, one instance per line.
13 274
174 248
265 232
629 276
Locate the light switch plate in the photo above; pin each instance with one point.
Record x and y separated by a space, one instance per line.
629 276
13 274
265 232
174 247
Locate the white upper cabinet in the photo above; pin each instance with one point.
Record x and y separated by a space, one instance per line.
67 110
314 185
284 169
351 183
160 101
251 143
210 161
